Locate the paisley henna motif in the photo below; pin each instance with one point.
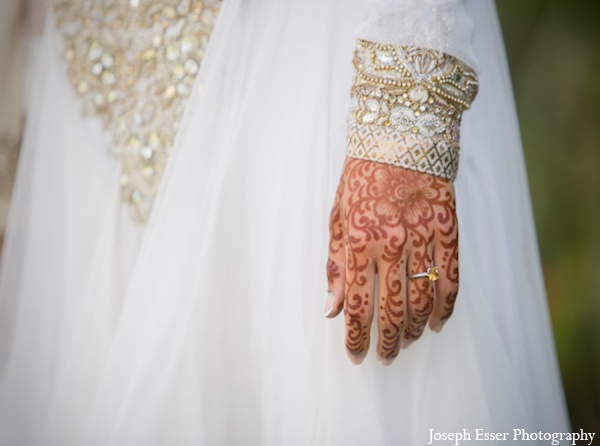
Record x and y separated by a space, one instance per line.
392 221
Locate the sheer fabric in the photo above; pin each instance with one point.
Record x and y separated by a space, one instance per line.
206 327
444 25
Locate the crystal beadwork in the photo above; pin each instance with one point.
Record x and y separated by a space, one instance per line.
133 63
407 103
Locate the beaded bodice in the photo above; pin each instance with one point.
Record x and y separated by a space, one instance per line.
133 63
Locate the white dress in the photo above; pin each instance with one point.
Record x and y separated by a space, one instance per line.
204 326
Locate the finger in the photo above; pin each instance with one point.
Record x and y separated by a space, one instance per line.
445 257
392 305
336 264
358 305
419 290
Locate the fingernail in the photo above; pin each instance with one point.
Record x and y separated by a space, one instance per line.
329 304
385 361
357 359
437 327
405 343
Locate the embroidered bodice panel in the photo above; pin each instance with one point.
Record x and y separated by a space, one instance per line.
133 63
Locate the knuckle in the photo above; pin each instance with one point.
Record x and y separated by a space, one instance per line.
448 306
335 219
357 329
451 273
451 288
451 299
388 344
333 271
415 333
445 287
389 330
362 240
358 312
447 314
357 238
422 305
392 317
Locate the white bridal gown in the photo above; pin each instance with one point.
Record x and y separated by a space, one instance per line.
204 326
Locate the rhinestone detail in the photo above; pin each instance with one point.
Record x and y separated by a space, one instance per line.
407 104
133 63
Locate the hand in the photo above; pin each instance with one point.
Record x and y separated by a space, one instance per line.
391 221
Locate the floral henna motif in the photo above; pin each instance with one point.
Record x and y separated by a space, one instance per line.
390 219
402 197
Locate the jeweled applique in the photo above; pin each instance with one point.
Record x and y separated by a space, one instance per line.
133 63
407 104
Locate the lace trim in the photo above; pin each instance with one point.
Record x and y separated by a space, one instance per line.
407 104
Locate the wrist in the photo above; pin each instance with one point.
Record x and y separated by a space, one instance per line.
407 104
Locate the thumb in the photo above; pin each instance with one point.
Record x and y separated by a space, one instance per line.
336 265
335 294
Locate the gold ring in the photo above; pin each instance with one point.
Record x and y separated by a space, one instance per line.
432 274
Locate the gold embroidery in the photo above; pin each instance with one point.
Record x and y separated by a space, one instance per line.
407 104
133 63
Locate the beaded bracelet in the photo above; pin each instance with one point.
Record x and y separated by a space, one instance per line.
406 108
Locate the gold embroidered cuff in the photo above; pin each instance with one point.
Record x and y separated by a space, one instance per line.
407 104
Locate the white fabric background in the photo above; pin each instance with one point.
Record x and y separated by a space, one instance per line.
207 328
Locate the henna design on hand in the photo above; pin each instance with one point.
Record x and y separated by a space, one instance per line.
392 221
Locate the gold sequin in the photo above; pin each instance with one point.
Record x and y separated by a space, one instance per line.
133 63
407 103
